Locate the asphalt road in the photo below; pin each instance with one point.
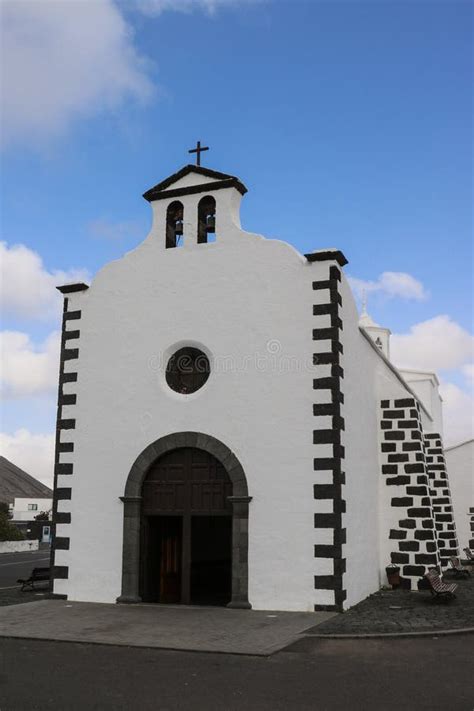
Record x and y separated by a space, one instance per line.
329 675
20 565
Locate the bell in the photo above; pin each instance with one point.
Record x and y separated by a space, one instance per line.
210 223
178 227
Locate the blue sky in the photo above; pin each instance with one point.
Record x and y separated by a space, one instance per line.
349 122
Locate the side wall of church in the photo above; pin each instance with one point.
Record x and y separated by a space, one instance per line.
410 522
358 521
361 462
440 493
417 517
398 483
459 461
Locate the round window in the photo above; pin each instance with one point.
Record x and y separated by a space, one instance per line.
187 370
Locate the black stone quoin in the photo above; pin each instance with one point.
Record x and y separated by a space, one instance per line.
324 436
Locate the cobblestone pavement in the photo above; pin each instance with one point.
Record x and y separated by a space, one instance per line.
401 611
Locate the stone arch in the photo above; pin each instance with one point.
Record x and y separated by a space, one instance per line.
206 218
132 499
174 223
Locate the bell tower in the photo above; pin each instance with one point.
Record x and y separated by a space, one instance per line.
379 335
195 206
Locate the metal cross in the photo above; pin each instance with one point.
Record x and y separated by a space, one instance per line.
198 150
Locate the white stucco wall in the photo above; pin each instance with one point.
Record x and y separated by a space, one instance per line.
361 462
18 546
376 333
386 386
426 387
247 302
22 513
389 388
460 466
368 380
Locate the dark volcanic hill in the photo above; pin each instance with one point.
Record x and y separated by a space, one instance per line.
15 482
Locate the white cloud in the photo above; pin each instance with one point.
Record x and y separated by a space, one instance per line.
156 7
468 372
458 413
27 289
391 284
62 60
441 344
28 369
437 344
32 452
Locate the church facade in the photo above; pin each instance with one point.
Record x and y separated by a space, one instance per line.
228 433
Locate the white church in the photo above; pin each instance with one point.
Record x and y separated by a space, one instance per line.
229 432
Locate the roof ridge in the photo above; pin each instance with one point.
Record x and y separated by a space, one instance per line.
459 444
186 170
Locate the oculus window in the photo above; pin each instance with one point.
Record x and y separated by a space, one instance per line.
187 370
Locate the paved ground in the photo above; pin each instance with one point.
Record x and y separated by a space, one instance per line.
214 629
401 611
20 565
208 629
381 613
333 675
14 596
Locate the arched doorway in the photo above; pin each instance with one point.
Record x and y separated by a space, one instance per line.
186 530
160 478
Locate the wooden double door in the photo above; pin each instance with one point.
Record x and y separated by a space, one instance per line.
186 536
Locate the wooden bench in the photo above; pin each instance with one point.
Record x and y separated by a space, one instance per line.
469 556
442 592
37 575
457 569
